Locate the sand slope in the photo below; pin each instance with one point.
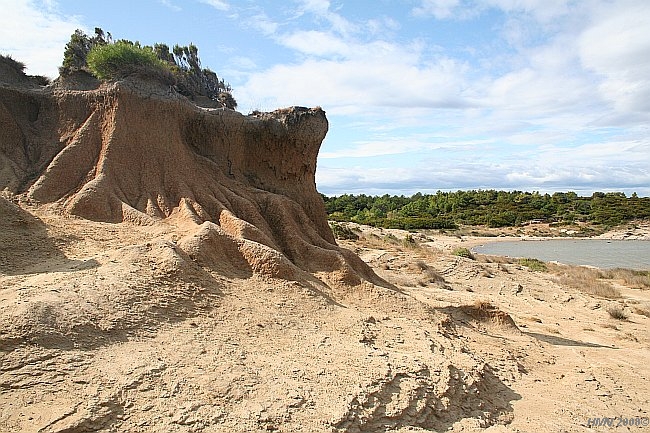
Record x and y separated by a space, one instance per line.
113 327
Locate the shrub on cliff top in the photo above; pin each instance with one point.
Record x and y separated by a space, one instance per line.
179 66
121 59
16 69
17 66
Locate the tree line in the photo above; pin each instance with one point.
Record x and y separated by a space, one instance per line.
491 208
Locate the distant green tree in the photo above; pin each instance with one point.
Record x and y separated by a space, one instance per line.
485 207
193 79
77 49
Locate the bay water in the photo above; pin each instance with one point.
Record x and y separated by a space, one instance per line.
601 253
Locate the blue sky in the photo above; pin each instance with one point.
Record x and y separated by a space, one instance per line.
421 95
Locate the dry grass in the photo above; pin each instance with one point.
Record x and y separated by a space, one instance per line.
631 337
414 274
502 267
642 311
431 276
502 260
629 277
587 280
553 330
376 242
616 312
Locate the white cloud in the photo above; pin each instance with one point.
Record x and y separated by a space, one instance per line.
242 62
396 145
171 5
381 25
317 43
542 10
586 168
440 9
342 74
263 23
217 4
321 9
35 33
617 48
375 148
523 114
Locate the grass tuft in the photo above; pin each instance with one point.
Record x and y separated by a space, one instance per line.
642 311
616 312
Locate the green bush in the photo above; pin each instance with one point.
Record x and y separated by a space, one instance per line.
463 252
533 264
121 59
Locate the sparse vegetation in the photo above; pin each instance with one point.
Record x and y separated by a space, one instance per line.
409 242
587 280
391 239
431 276
631 278
642 311
19 68
502 260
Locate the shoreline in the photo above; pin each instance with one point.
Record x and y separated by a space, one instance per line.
448 242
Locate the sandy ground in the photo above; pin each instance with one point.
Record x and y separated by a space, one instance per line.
109 327
575 359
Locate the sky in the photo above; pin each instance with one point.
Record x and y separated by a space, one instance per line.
421 95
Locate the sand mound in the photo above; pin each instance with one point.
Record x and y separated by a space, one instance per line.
133 151
486 312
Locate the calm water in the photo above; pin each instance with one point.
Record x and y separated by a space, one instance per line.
594 252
